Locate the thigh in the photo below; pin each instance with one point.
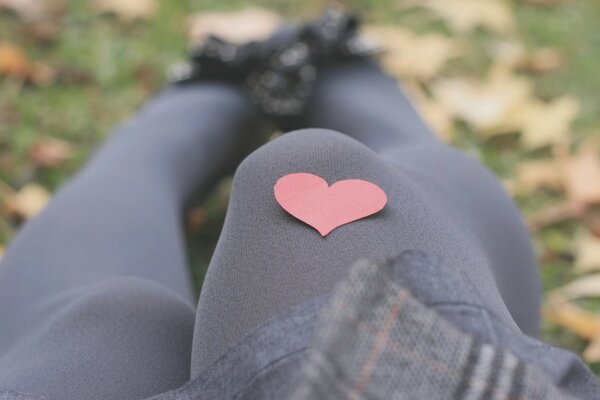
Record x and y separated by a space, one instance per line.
471 196
124 338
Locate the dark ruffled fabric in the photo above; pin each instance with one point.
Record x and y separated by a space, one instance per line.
278 74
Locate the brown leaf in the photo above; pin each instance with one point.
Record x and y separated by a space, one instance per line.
464 16
73 76
593 224
196 217
542 61
127 10
39 16
15 64
583 323
410 55
50 152
26 9
533 175
237 27
554 214
1 252
591 354
27 202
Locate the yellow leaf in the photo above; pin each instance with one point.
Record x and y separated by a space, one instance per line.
464 16
127 10
583 323
587 253
488 106
236 27
27 202
533 175
435 114
410 55
582 178
545 3
587 286
508 53
591 354
546 124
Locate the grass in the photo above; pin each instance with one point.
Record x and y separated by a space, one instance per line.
118 66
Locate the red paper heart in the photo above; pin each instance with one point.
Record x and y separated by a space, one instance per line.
309 198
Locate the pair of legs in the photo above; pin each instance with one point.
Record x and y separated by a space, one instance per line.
95 300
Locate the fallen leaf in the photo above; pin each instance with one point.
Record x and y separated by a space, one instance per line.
545 3
196 217
27 202
6 189
587 252
50 152
15 64
591 354
410 55
534 175
583 323
592 223
127 10
554 214
236 27
40 17
73 76
587 286
435 113
542 61
508 53
464 16
582 175
546 124
26 9
488 106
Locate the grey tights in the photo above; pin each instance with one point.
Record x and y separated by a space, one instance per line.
95 299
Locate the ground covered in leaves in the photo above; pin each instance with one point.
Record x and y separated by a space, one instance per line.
513 83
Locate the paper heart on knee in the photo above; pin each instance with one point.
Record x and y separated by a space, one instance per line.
309 198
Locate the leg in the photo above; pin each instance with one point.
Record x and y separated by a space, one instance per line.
360 100
266 261
100 278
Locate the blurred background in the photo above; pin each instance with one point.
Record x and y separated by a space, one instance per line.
513 83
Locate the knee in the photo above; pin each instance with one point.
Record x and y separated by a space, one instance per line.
126 312
119 331
126 299
329 154
299 147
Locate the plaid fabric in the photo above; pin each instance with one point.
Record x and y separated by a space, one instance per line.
375 341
